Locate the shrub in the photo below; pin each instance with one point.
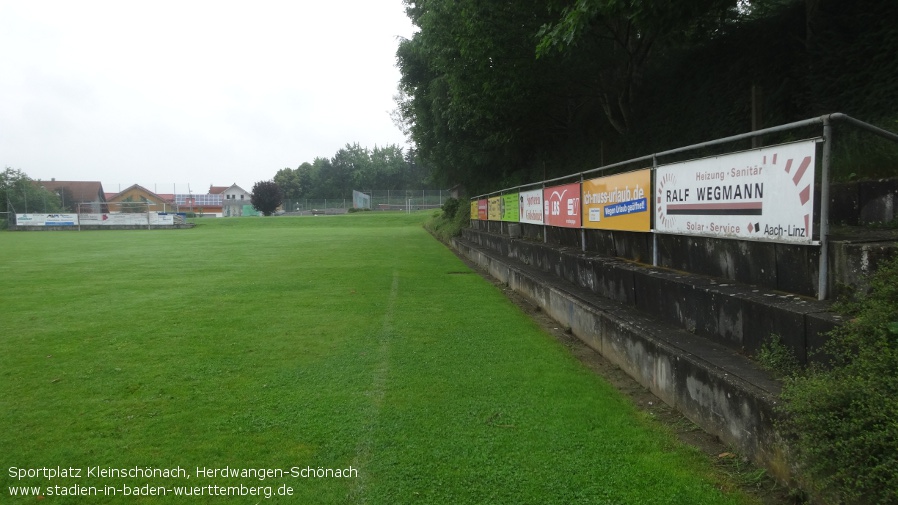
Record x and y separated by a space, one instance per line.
450 207
842 418
775 356
445 226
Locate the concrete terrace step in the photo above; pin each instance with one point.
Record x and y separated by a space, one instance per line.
714 385
739 316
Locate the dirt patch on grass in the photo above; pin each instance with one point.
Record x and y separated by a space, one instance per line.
735 470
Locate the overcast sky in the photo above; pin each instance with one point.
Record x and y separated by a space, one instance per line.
170 93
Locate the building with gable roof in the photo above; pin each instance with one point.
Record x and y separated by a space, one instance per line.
235 200
86 196
139 194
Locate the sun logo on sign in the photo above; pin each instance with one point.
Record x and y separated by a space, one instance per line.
668 179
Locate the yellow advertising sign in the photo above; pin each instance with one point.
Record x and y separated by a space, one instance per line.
474 214
495 212
618 202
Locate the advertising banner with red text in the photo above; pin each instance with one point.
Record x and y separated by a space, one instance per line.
531 206
762 194
561 205
483 209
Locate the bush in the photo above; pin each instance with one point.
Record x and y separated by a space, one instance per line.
450 207
775 356
842 418
445 226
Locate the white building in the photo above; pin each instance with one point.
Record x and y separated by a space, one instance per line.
233 200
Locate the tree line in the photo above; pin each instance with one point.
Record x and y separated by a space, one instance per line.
498 94
354 168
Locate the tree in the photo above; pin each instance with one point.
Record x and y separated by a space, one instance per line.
266 197
473 97
304 176
21 194
290 183
353 163
620 36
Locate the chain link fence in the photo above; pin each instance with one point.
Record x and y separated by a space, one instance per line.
387 199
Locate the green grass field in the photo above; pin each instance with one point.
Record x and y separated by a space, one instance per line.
354 342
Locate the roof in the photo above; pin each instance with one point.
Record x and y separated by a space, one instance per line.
217 190
235 186
140 189
80 191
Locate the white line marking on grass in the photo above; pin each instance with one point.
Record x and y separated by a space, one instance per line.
376 393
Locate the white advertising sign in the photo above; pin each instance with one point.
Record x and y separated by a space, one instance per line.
46 219
531 209
132 219
762 194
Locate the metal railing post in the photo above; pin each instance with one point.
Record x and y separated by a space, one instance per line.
545 226
823 266
654 181
580 211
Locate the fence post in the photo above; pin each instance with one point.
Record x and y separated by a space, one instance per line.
545 226
580 211
823 267
652 215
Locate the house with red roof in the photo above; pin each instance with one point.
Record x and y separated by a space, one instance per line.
78 196
137 196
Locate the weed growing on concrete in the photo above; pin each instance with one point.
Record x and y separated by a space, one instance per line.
777 357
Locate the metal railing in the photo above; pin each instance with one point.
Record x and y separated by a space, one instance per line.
826 121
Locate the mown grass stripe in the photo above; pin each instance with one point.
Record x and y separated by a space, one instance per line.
376 393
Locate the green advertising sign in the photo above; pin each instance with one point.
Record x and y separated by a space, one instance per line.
511 207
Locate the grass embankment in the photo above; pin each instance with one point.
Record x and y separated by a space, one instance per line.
333 342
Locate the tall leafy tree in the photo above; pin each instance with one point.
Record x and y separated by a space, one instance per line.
473 98
266 197
353 163
354 167
304 177
22 194
620 36
290 182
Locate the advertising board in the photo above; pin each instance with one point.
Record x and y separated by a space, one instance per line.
510 204
762 194
46 219
618 202
531 206
561 205
495 208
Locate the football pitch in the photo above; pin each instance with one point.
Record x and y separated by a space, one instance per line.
332 359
